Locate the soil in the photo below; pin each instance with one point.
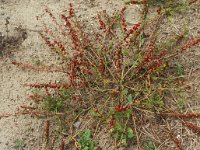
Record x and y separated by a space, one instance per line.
20 41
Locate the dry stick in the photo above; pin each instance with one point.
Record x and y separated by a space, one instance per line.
152 38
59 27
47 129
138 141
71 127
110 71
77 145
190 44
62 145
53 143
43 68
50 33
191 126
28 107
192 2
93 63
97 126
37 113
173 138
181 115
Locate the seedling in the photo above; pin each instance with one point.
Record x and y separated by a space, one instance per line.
149 145
85 141
19 144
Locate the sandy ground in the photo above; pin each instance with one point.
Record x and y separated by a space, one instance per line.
29 47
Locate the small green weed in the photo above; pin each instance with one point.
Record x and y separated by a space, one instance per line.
54 104
180 69
155 101
85 141
123 134
19 144
180 104
149 145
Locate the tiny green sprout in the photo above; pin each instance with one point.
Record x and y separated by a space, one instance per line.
180 104
155 101
179 69
126 1
155 2
19 144
64 93
53 103
38 63
149 145
130 98
141 40
130 133
124 92
85 141
123 133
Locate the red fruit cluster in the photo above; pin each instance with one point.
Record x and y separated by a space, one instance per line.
191 44
123 19
102 24
147 57
133 29
51 15
61 47
118 60
73 33
156 62
181 115
155 66
194 128
71 10
99 114
51 85
120 108
78 68
112 121
37 68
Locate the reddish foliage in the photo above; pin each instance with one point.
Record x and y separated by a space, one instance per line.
71 10
102 24
47 128
181 115
62 145
123 19
120 108
133 29
36 68
177 142
193 127
50 85
190 44
112 121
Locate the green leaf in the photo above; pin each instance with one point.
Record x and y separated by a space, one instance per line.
85 148
126 1
123 141
128 113
87 134
141 41
180 69
130 133
19 144
130 98
148 145
124 92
